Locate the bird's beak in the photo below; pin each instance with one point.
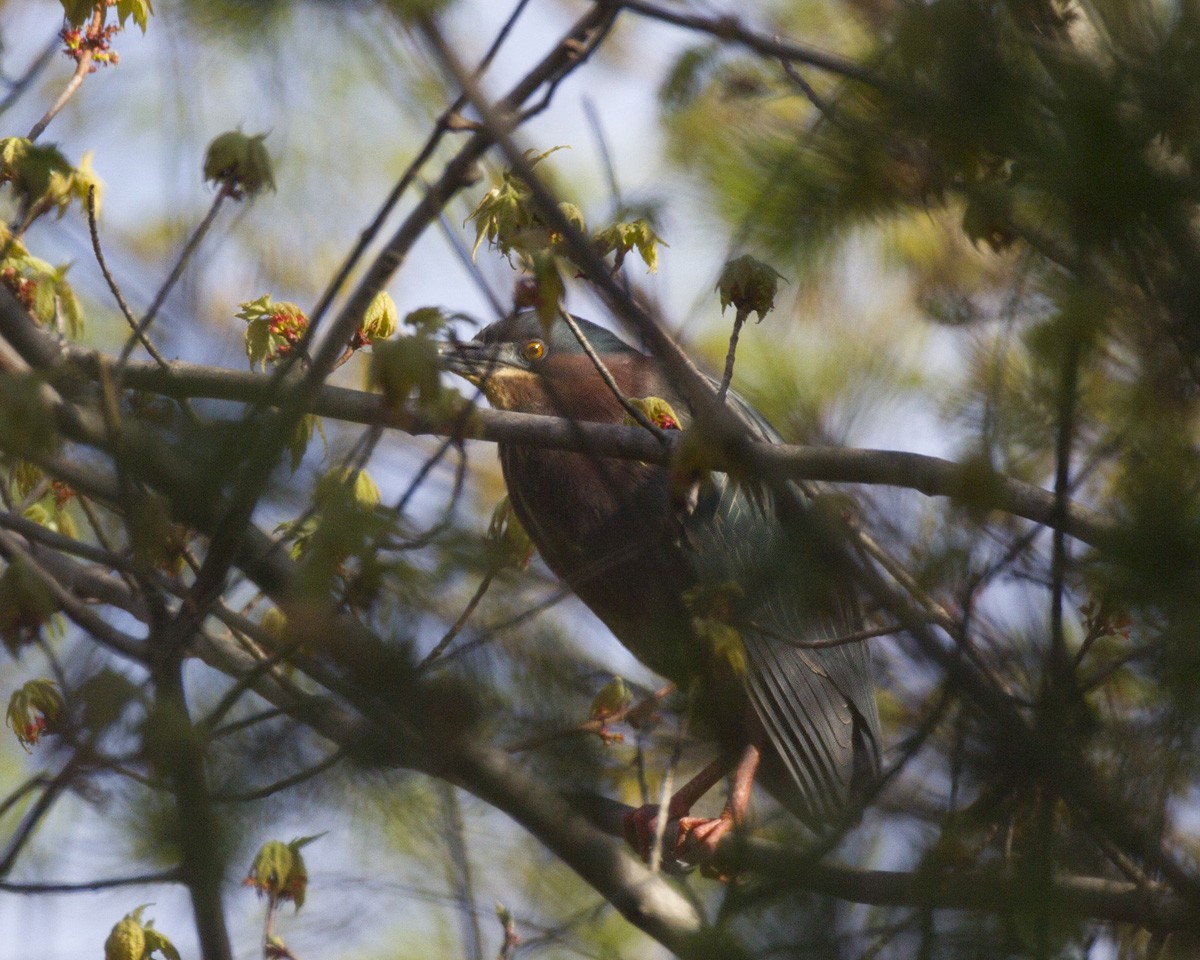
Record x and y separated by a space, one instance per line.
467 358
470 359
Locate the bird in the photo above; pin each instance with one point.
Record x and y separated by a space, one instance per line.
713 586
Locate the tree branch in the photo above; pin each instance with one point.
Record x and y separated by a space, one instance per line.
932 476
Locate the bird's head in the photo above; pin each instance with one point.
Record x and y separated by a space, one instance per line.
520 366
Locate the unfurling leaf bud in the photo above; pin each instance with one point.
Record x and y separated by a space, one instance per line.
362 488
26 603
613 697
33 710
749 284
657 411
279 871
131 939
573 216
239 162
41 177
127 941
621 238
507 540
273 330
379 322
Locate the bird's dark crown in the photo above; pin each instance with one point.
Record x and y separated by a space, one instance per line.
519 328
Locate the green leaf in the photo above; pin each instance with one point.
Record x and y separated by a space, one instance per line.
621 238
612 698
279 870
33 710
427 320
78 12
505 217
239 161
141 11
749 284
157 942
34 170
301 437
273 330
336 482
404 365
127 939
573 215
550 289
657 411
379 322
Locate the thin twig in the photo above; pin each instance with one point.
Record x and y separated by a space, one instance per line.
731 353
33 783
227 536
664 796
71 605
729 29
91 886
19 86
261 793
458 870
458 624
610 170
126 312
83 67
608 378
408 177
243 723
139 332
463 255
36 813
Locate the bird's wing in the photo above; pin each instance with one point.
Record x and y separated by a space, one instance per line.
816 704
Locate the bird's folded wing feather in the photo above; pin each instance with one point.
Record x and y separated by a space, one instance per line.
808 699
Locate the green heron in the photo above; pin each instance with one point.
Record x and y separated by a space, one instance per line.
717 594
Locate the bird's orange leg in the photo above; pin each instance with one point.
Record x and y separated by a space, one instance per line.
640 824
699 837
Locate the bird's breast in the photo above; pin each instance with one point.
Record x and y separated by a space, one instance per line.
605 527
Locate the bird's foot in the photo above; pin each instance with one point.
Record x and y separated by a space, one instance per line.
641 825
686 840
699 837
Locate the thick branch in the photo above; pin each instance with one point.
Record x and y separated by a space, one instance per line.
1154 907
931 476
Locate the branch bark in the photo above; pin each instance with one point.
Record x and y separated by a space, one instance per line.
932 476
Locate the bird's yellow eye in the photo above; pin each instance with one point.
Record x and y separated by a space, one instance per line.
533 350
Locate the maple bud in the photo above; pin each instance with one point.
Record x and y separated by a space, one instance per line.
749 284
240 162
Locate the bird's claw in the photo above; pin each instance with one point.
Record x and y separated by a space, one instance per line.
699 838
688 842
640 827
